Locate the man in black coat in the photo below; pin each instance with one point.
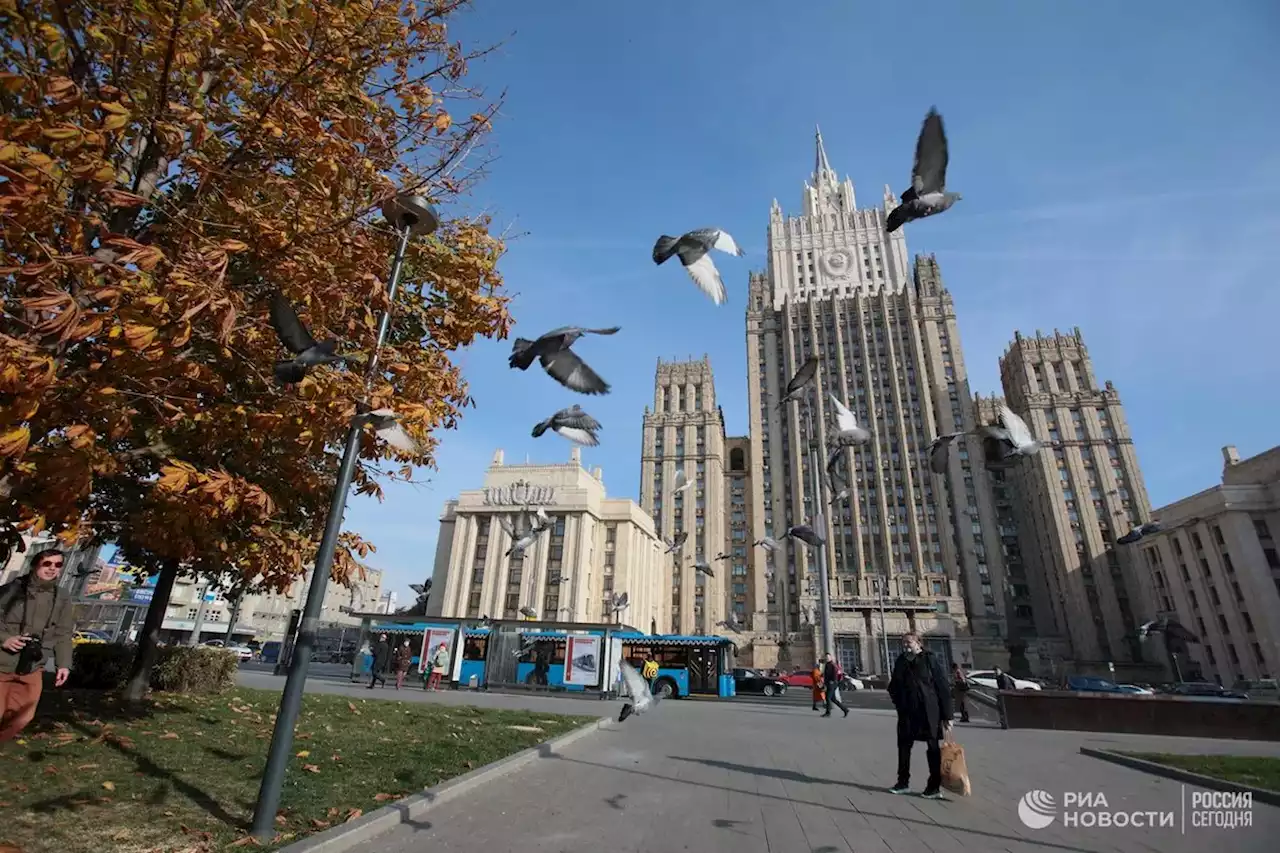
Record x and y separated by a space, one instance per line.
831 683
381 661
921 692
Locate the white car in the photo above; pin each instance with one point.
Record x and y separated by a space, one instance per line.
243 652
1133 688
987 678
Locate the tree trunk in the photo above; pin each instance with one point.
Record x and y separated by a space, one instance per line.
140 676
234 618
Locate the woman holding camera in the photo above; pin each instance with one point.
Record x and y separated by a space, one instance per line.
34 618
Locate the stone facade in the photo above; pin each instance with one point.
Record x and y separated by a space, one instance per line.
1215 568
597 546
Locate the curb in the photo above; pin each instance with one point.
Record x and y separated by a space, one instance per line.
1262 795
369 826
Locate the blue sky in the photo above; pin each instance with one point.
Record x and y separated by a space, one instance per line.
1118 162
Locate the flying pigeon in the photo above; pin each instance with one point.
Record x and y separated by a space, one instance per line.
307 352
938 450
805 534
839 487
1139 532
733 623
800 381
847 430
694 250
682 482
571 423
928 192
559 361
701 567
1000 444
766 542
723 556
1169 628
642 698
677 542
529 536
386 426
619 602
10 541
529 611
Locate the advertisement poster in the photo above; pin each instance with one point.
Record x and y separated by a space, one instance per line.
431 640
582 661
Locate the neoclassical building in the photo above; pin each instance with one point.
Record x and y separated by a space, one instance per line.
597 546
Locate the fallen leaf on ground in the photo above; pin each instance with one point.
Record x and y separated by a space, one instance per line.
169 736
526 728
468 764
281 819
318 823
352 814
335 758
50 770
311 768
110 786
304 753
247 841
382 798
351 706
87 767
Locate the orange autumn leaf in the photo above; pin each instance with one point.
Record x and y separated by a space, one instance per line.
311 768
14 442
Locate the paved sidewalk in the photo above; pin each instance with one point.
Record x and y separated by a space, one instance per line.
707 777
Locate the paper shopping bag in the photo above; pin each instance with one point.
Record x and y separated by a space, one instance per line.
955 775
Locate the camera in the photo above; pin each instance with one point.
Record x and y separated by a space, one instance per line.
30 657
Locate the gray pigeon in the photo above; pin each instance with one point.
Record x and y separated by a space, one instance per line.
847 430
1009 440
805 534
307 352
939 449
562 363
677 542
1139 532
529 611
928 192
766 542
571 423
800 381
701 567
386 426
694 250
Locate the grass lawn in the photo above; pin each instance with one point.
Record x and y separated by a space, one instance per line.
1260 772
181 773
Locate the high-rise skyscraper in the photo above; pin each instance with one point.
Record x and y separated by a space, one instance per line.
924 546
1074 498
685 431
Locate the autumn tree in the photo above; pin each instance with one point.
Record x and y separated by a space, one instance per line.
166 165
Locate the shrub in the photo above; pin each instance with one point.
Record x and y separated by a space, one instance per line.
101 666
180 669
194 669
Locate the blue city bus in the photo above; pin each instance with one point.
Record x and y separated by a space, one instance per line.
687 665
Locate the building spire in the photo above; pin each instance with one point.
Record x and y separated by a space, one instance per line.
821 168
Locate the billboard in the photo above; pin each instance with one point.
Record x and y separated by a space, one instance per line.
582 661
431 640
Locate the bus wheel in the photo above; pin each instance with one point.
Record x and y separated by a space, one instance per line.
768 690
665 688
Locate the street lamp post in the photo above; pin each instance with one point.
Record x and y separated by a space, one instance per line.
820 527
880 582
410 215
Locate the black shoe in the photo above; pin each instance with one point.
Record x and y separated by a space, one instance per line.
900 788
827 714
846 712
933 794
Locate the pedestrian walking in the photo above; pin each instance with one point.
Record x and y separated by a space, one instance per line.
439 666
959 687
34 619
819 695
831 685
921 693
1004 681
381 661
403 660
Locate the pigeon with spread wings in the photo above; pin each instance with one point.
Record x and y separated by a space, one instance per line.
642 698
1008 441
928 192
806 374
677 542
553 351
694 251
571 423
297 339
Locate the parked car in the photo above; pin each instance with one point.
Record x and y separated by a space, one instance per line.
1206 690
243 652
1091 684
1134 688
987 678
1267 689
752 681
89 637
